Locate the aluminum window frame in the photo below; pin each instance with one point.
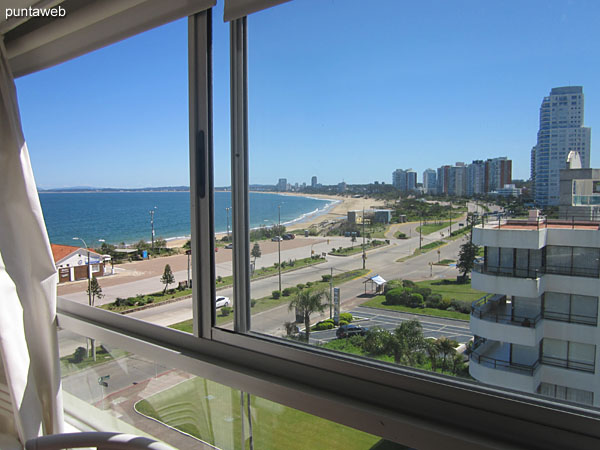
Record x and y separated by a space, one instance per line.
405 405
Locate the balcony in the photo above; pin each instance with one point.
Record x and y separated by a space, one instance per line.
508 281
492 363
492 317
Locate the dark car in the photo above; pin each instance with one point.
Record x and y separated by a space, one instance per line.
289 236
350 330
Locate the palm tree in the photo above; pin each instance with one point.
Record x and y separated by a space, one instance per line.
410 333
308 302
447 348
433 351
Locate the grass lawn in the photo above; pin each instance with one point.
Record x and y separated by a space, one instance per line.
445 262
433 227
211 412
67 366
451 289
221 282
378 302
266 303
378 231
347 251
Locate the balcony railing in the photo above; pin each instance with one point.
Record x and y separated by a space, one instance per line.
570 317
568 364
536 273
494 363
487 308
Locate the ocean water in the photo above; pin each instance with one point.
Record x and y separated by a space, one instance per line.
124 216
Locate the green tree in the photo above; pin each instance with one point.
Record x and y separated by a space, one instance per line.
407 342
309 302
466 258
167 278
432 349
256 253
446 348
94 290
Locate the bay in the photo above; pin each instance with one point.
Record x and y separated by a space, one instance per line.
120 217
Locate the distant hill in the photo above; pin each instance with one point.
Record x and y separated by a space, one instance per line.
94 189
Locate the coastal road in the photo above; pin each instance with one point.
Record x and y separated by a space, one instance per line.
433 327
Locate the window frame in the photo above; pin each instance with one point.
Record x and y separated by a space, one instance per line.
405 405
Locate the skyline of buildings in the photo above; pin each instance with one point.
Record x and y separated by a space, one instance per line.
561 131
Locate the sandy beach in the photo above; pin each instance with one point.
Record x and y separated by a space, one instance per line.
336 212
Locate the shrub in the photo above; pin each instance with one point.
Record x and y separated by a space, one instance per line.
289 291
324 325
401 235
424 291
394 296
219 279
326 278
342 322
252 303
300 286
408 284
393 284
309 283
226 310
445 303
149 300
79 355
276 294
433 301
415 300
346 316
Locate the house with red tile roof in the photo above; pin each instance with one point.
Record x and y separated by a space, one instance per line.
72 262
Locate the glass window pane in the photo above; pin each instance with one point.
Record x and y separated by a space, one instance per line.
584 309
555 348
558 259
556 306
493 257
585 261
535 259
584 353
506 259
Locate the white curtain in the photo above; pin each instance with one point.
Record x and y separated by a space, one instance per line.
28 337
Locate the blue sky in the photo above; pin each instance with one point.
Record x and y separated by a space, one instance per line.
336 90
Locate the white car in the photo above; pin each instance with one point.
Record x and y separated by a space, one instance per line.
222 301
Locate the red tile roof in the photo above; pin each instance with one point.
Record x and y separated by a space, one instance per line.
61 251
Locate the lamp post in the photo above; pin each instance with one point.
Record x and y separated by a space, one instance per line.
89 273
364 255
152 224
279 242
227 210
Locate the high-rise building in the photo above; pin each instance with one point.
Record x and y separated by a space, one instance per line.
429 181
282 184
443 176
561 131
404 180
476 178
457 180
498 173
313 182
537 330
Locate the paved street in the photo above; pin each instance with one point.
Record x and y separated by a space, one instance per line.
433 327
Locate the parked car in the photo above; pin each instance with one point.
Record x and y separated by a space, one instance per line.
229 246
350 330
222 301
289 236
276 238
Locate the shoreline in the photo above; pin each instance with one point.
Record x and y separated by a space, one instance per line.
336 210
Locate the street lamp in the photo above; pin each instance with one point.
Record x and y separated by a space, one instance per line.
227 210
89 272
279 243
152 224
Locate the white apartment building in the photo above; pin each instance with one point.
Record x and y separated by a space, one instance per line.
561 131
429 181
537 330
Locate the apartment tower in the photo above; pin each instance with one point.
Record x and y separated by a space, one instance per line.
561 131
